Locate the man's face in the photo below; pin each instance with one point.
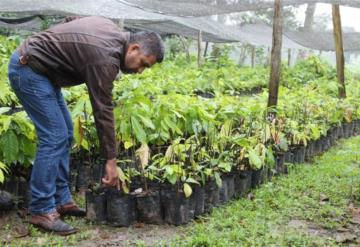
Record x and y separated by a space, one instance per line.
135 61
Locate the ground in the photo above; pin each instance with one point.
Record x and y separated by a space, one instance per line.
316 204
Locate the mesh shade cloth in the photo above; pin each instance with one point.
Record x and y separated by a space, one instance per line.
214 7
33 24
213 31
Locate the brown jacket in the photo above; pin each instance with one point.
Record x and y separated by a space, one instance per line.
90 50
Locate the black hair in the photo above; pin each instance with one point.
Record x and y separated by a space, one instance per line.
150 44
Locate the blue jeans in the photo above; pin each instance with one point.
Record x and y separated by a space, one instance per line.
45 105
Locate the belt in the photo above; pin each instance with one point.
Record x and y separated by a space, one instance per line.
26 59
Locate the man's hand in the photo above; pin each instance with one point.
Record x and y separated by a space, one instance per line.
111 178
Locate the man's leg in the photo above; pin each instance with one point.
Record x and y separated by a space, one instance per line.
63 195
65 206
38 97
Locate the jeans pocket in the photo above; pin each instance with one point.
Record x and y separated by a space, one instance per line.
38 85
14 79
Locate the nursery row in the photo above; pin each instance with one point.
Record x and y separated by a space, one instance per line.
166 203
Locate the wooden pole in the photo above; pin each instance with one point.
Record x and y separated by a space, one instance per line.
199 48
253 54
309 16
275 65
269 56
289 57
340 61
186 48
206 48
121 23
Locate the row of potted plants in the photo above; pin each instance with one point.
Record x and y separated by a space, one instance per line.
155 202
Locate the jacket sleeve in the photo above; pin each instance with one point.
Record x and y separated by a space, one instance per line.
99 81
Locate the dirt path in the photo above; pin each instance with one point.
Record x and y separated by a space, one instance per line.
138 235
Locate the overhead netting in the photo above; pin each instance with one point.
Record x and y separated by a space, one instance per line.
214 18
214 7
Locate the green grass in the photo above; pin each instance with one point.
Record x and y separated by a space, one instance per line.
318 194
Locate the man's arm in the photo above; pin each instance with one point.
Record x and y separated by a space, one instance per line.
99 81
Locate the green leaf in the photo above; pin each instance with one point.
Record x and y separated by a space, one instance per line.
4 109
147 122
169 170
242 142
128 144
121 174
3 170
226 128
254 159
187 190
138 130
191 180
169 123
28 147
5 123
172 179
283 144
270 159
77 131
85 144
10 146
125 188
218 180
2 176
169 152
226 166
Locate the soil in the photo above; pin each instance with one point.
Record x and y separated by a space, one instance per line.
17 229
152 235
345 235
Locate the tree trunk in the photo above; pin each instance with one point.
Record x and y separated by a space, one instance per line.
340 62
275 56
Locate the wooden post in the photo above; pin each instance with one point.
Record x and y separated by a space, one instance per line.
289 57
309 16
199 48
253 54
186 48
340 62
121 23
269 56
275 65
206 48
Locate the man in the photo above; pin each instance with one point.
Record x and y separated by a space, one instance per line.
90 50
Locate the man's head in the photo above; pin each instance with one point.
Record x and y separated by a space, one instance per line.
144 50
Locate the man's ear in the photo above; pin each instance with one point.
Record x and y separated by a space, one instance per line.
133 47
